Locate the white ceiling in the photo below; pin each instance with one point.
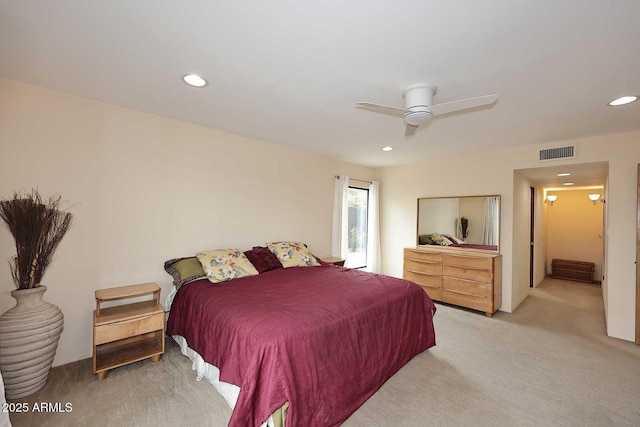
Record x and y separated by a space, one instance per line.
289 72
582 175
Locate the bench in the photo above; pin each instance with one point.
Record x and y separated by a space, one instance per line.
580 271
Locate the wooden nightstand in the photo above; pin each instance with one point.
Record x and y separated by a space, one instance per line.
127 333
334 261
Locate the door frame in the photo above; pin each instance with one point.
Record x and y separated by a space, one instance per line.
637 259
532 232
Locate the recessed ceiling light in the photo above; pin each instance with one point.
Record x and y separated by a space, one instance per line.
387 148
623 100
567 183
564 174
194 80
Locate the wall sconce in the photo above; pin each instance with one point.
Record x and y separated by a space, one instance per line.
596 198
551 198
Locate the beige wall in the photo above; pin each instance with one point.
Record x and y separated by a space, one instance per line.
521 238
493 173
605 266
540 243
575 229
148 189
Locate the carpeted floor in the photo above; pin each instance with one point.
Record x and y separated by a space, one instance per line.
548 364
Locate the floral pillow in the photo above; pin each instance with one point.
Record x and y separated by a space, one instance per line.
221 265
439 239
293 254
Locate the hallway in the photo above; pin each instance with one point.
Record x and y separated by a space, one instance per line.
573 308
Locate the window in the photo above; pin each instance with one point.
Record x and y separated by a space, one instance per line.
357 203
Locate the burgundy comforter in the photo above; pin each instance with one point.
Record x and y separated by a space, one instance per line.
322 338
475 246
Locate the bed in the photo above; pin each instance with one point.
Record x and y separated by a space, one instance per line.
315 342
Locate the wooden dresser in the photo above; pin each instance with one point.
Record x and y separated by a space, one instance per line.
471 279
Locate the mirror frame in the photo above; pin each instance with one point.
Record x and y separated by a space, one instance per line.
455 248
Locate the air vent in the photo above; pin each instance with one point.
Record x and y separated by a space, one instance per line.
568 152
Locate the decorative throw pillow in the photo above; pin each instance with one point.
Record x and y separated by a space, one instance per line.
425 239
440 240
263 259
454 239
221 265
184 270
293 254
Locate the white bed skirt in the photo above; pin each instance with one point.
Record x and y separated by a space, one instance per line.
203 369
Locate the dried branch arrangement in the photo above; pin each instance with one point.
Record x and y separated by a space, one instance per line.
37 224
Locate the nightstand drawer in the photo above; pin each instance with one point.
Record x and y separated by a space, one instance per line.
128 328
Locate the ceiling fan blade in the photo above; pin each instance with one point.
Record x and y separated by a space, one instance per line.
381 108
409 130
463 104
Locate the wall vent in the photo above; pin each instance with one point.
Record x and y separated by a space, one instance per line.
568 152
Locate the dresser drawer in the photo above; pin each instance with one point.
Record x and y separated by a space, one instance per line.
422 279
485 276
465 261
422 256
434 293
423 266
128 328
469 287
470 301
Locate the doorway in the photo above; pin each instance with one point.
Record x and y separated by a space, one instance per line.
538 245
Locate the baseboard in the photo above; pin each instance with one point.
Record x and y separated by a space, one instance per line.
595 282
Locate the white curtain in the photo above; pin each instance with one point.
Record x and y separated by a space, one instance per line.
340 232
373 230
491 221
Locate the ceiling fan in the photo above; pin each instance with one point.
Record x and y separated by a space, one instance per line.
419 109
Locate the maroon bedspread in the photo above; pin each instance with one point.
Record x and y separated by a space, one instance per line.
476 246
322 338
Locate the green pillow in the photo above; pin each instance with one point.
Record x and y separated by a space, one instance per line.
184 270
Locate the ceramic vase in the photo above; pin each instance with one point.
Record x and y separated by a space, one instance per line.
29 334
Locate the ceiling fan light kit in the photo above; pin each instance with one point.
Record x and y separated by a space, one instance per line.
419 108
417 99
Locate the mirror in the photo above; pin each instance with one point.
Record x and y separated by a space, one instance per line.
468 222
